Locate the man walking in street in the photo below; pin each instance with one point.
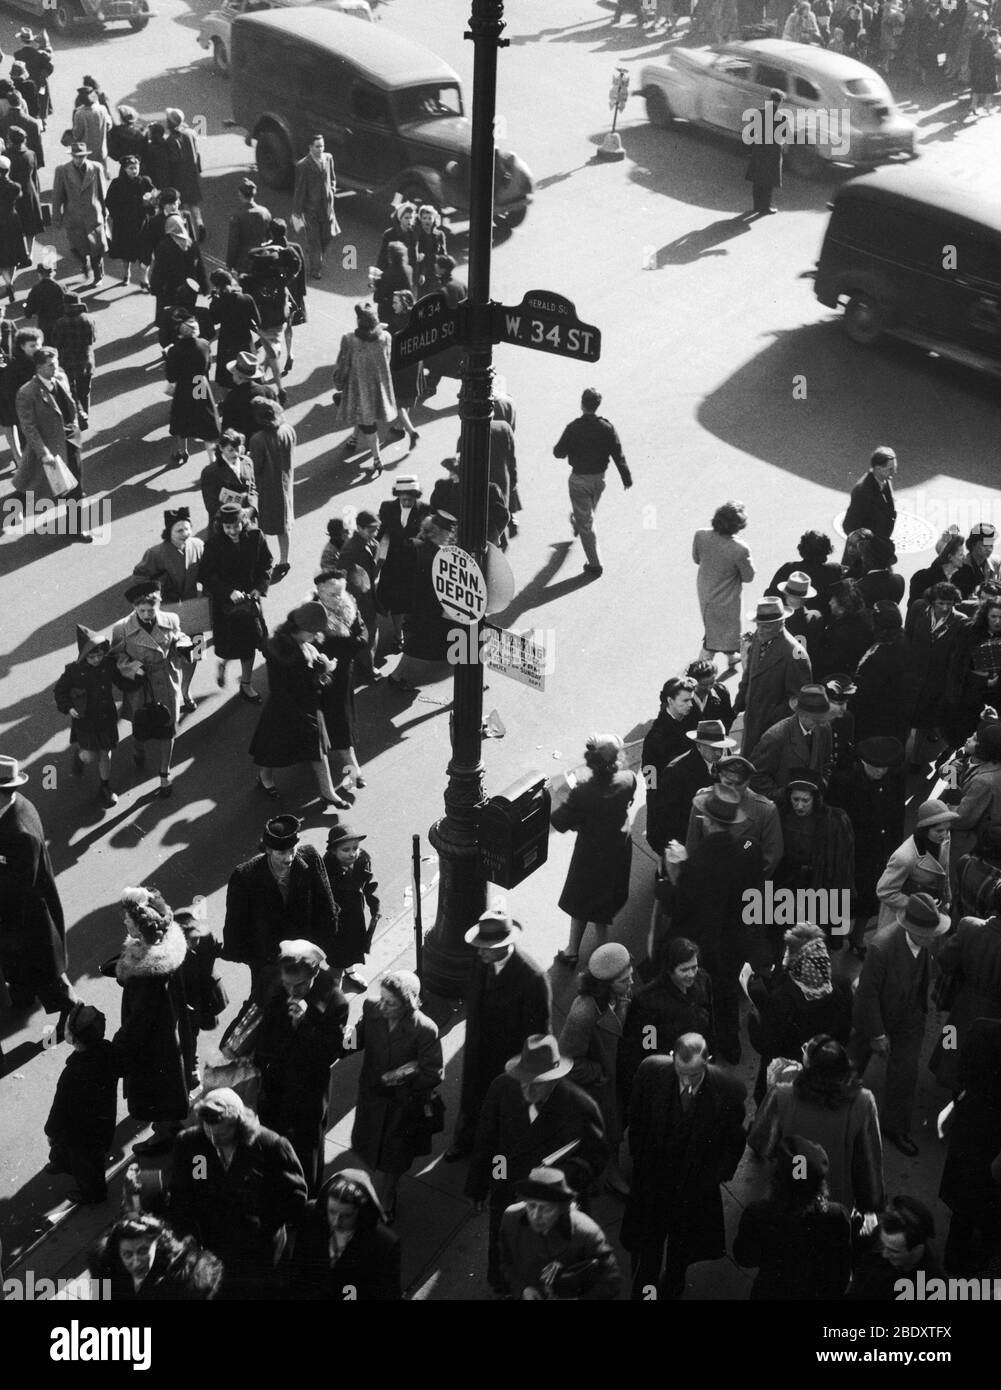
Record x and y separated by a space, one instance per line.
871 506
249 227
184 164
74 335
313 202
78 204
589 442
51 464
776 669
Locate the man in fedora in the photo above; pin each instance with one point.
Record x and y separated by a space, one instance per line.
686 1137
684 777
933 628
762 823
705 895
873 796
872 506
51 460
508 1000
891 1006
804 623
237 412
282 892
776 668
78 204
532 1117
803 739
32 927
549 1250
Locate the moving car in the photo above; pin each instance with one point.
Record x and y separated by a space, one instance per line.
918 258
840 111
215 29
391 111
62 15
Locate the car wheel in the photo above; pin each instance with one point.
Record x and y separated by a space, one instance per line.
863 320
658 108
804 162
416 193
220 57
61 18
138 22
511 219
274 159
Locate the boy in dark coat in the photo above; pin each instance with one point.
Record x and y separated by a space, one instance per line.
349 869
81 1123
86 692
205 992
45 300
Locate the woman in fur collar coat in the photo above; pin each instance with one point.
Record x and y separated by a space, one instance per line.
156 1040
345 636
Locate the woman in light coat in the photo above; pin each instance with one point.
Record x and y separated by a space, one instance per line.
363 384
908 868
174 565
149 647
725 566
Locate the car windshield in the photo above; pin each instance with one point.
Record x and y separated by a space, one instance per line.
869 87
428 102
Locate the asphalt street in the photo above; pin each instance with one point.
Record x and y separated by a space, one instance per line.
706 322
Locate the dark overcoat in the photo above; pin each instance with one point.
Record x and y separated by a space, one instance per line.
772 673
970 960
657 1017
257 919
130 214
32 929
337 698
380 1135
395 587
502 1010
871 508
90 690
235 315
290 729
369 1266
353 888
193 413
886 691
156 1041
842 644
678 785
678 1167
875 808
84 1107
931 653
975 1139
238 630
597 884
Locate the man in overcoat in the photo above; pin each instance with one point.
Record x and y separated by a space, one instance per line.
51 465
313 201
872 506
508 1000
763 823
684 777
532 1117
282 892
804 739
249 227
891 1005
686 1137
766 139
78 204
776 667
32 927
184 164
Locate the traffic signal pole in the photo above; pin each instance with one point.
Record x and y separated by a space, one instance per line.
462 885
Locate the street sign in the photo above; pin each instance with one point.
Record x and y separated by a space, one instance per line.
433 328
460 585
547 322
514 654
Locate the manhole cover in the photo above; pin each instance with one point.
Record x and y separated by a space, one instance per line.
911 534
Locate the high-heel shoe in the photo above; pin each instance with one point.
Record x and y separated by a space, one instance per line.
271 792
413 441
248 693
375 471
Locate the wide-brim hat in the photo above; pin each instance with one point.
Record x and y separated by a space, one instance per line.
245 364
712 732
812 699
797 586
769 610
143 588
539 1060
545 1185
922 917
881 751
281 832
732 760
11 775
341 834
723 805
933 813
495 928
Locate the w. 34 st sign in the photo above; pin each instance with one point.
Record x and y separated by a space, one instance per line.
547 322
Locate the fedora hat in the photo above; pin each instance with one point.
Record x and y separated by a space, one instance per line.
539 1060
812 699
711 731
545 1185
281 832
494 928
769 610
341 835
245 364
881 751
921 917
733 762
407 482
723 805
11 775
933 813
797 586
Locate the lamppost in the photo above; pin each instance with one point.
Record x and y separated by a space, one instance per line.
462 885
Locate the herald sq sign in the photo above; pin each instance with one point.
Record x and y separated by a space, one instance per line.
459 585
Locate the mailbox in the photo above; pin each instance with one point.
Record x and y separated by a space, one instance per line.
514 830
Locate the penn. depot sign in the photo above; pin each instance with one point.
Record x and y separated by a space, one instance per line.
459 585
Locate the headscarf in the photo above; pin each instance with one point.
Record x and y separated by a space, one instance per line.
810 970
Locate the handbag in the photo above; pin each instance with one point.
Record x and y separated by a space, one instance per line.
240 1038
424 1116
152 719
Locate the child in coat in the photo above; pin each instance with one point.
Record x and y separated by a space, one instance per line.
81 1123
205 991
86 692
349 869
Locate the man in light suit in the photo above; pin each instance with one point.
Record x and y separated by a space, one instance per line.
78 204
775 670
313 202
249 227
891 1005
802 740
51 465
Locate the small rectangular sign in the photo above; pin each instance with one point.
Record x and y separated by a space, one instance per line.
514 654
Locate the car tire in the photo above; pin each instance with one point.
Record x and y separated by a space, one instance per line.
61 18
864 320
416 193
274 159
511 219
804 162
138 22
658 109
220 57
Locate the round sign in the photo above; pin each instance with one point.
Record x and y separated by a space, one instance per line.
459 585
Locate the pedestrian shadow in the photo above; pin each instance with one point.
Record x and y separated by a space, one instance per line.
540 591
551 180
704 241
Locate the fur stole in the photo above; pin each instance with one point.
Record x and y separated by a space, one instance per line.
139 960
342 613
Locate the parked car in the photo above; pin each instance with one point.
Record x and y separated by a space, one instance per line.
391 111
62 15
840 111
214 31
918 258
